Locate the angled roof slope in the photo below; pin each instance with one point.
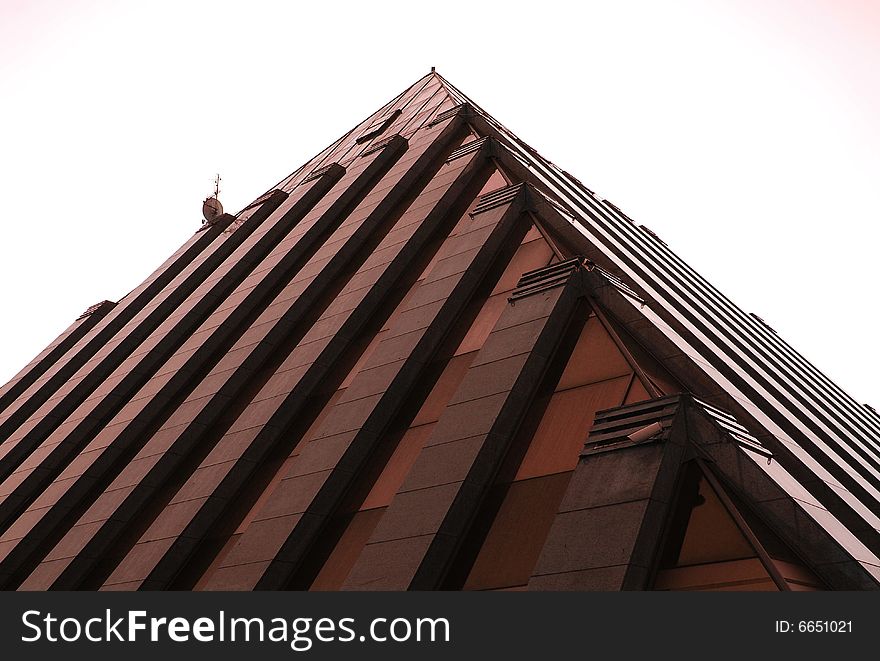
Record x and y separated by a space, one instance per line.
376 371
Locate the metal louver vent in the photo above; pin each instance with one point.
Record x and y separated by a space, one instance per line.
377 128
265 197
650 232
616 282
320 172
467 149
545 278
497 198
384 142
732 427
463 109
615 425
103 307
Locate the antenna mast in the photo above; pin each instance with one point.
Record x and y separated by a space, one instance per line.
211 207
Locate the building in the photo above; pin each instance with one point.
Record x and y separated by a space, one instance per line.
430 359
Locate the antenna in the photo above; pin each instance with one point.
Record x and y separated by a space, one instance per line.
211 207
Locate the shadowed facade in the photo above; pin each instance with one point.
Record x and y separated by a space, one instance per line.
430 359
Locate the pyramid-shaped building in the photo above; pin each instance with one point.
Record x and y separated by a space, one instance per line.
431 359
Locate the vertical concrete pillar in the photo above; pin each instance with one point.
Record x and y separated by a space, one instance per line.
418 536
611 520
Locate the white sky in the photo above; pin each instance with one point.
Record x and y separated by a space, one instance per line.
745 134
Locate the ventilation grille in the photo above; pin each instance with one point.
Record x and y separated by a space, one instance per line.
581 184
763 323
541 197
377 128
650 232
470 147
462 109
497 198
616 282
615 207
320 172
731 427
265 197
613 426
384 142
545 278
103 307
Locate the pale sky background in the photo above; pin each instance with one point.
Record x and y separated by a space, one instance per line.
744 133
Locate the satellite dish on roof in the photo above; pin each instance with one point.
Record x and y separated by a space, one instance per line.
211 207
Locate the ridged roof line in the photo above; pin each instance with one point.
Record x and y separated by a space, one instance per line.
861 413
834 437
